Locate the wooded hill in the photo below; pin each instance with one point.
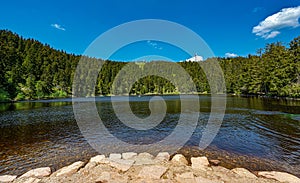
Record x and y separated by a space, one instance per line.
32 70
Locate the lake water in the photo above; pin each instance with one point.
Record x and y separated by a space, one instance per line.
256 133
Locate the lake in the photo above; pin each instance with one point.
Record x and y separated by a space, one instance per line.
256 133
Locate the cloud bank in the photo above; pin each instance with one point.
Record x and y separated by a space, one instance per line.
57 26
231 55
269 28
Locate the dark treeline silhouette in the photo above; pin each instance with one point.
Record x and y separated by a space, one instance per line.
32 70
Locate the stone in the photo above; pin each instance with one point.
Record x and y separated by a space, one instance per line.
69 170
244 173
163 156
129 155
31 180
97 159
200 163
185 177
38 172
114 156
104 177
152 172
279 176
205 180
179 159
7 178
214 162
121 164
146 155
144 159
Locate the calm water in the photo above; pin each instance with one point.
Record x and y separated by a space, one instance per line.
257 133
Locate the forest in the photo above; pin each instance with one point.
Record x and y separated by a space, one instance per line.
32 70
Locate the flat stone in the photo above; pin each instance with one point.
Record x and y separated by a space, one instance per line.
186 177
121 164
7 178
97 159
114 156
129 155
163 156
179 159
205 180
38 172
280 176
146 155
144 159
214 162
244 172
152 172
31 180
69 170
200 163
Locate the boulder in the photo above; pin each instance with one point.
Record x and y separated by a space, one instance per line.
38 172
97 159
279 176
114 156
244 173
7 178
163 156
179 159
129 155
200 163
121 164
69 170
152 172
144 159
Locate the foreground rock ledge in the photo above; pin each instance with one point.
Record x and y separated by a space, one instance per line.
144 167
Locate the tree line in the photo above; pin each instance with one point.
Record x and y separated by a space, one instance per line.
32 70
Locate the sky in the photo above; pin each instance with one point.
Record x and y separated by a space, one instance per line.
229 27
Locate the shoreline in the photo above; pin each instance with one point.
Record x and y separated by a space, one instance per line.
156 94
133 167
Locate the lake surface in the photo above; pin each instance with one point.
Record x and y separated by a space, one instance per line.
256 133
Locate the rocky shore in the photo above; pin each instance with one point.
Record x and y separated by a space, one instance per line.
144 167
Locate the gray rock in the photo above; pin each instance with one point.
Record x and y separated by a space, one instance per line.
114 156
179 159
280 176
200 163
97 159
163 156
129 155
244 173
38 172
7 178
152 172
121 164
69 170
144 159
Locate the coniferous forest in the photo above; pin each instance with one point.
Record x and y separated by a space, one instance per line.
32 70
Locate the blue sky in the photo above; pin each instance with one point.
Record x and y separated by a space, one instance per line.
226 26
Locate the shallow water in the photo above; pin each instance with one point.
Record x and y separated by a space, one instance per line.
256 133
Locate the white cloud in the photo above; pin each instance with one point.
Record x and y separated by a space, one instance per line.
287 17
196 58
231 55
57 26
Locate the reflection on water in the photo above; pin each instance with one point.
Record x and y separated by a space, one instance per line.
256 133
